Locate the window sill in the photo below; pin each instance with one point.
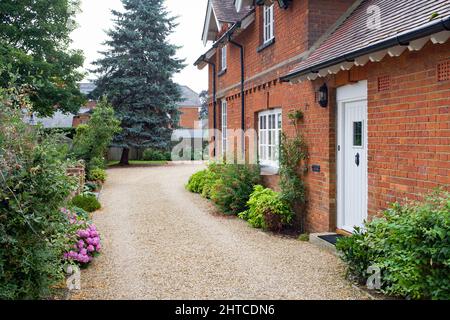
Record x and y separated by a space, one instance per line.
266 45
267 170
222 72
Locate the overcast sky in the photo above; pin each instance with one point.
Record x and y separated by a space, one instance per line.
95 18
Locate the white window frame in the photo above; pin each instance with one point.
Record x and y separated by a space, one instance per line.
223 58
268 23
224 126
270 125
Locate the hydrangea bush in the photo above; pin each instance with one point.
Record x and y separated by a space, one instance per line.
86 243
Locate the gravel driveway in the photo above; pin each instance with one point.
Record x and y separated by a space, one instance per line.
162 242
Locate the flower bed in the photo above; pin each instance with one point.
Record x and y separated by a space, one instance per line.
85 239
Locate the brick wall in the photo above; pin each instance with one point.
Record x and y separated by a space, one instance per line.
80 119
409 124
188 117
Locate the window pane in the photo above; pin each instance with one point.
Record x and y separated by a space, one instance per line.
357 134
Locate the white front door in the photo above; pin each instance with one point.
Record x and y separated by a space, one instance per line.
352 156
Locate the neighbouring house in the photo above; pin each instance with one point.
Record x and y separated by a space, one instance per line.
191 126
84 115
372 79
61 120
189 123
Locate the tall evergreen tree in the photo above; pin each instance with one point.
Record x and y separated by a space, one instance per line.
136 74
204 99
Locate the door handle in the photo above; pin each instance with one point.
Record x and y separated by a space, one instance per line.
357 158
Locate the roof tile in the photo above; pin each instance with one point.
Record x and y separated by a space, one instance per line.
354 33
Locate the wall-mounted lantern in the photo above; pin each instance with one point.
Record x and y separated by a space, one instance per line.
323 96
284 4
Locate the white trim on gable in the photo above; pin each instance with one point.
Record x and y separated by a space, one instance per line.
212 25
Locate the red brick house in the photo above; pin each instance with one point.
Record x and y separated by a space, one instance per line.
189 108
372 78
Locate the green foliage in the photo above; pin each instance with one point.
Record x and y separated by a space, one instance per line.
210 179
97 163
136 75
232 189
156 155
87 202
292 152
267 210
197 181
34 43
303 237
91 186
81 214
296 116
93 139
97 174
228 185
33 188
204 100
410 244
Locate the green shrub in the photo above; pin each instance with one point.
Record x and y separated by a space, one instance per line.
97 174
156 155
197 181
267 210
81 214
229 186
293 151
33 188
97 162
86 202
232 189
92 140
211 178
91 186
411 246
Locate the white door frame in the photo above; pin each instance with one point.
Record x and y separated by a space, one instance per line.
345 94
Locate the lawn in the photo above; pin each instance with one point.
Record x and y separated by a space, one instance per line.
139 163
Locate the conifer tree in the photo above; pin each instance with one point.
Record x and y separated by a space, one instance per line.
136 75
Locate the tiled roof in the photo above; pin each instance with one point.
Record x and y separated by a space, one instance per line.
225 11
353 35
58 120
189 97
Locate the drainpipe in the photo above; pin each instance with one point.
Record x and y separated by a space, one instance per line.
242 90
213 65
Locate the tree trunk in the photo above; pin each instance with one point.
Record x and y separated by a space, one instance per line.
124 160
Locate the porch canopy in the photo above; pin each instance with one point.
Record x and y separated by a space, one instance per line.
371 30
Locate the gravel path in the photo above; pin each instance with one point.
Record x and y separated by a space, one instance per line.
162 242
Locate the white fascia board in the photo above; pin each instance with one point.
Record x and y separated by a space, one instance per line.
211 26
248 21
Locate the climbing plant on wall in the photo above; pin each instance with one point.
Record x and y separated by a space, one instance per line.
293 154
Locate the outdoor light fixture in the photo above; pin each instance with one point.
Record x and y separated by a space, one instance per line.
284 4
323 96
